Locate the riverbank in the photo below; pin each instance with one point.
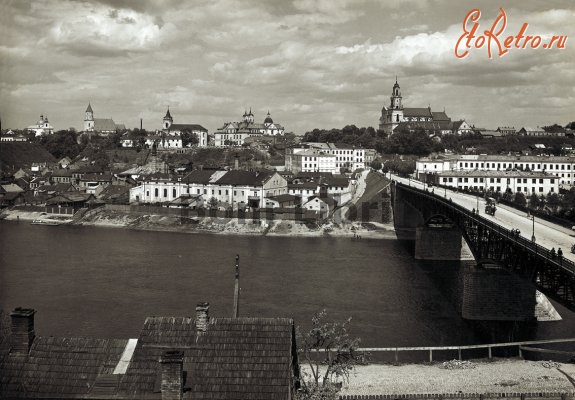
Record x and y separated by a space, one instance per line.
463 379
222 226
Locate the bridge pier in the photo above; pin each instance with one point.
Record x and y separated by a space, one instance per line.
498 302
438 242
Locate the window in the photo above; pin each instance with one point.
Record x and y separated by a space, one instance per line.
147 193
156 192
165 192
174 193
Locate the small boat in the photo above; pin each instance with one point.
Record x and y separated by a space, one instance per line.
45 222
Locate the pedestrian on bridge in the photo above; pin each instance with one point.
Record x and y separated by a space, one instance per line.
553 252
560 254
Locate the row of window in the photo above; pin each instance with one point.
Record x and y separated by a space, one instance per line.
497 180
198 191
562 166
498 189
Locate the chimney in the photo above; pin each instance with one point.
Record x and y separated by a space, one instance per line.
141 123
236 310
172 366
22 330
202 317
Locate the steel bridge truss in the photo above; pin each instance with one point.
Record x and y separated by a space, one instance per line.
552 275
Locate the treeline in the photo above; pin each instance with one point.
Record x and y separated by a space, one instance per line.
419 143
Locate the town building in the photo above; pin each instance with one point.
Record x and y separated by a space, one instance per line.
11 136
181 357
327 157
42 127
236 189
528 131
236 133
562 167
171 129
396 117
102 126
507 130
500 181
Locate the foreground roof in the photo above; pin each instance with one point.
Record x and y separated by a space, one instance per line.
234 358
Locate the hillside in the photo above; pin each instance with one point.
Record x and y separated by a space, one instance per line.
15 155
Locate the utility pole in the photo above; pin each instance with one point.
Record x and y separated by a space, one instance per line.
533 234
236 310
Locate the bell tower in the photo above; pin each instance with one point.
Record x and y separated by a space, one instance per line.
168 120
396 97
89 119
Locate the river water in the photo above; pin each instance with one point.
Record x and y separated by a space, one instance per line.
103 282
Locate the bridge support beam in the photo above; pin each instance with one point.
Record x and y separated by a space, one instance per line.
438 242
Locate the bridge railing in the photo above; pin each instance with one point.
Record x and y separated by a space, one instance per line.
559 262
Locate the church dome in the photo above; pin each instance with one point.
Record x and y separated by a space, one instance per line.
268 119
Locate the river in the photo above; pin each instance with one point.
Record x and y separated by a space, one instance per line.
103 282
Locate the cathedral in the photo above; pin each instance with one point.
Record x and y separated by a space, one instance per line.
103 126
398 116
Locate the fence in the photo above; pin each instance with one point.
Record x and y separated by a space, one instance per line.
291 214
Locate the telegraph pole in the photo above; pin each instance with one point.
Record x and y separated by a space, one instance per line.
236 310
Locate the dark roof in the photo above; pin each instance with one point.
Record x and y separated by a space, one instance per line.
70 197
58 367
417 112
440 116
199 176
62 172
235 358
89 109
183 127
250 178
97 177
284 198
105 125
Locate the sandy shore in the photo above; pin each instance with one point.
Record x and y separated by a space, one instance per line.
223 226
470 377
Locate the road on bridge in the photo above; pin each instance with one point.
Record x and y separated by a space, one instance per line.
547 234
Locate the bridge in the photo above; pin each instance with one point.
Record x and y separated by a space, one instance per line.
440 224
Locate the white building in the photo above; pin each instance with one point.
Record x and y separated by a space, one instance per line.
236 189
11 136
42 127
171 129
562 167
235 133
500 181
327 157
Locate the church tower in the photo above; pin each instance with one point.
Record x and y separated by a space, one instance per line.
89 119
392 116
249 117
168 120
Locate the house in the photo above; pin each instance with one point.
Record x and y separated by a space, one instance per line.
507 130
199 357
232 188
62 176
11 136
68 203
322 205
282 201
528 131
65 162
95 182
187 201
115 194
11 195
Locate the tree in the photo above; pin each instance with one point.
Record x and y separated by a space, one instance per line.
534 201
213 202
376 165
553 201
189 138
330 353
520 199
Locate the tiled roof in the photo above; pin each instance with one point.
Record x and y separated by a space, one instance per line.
58 367
97 177
62 172
183 127
104 125
235 358
249 178
417 112
440 116
200 176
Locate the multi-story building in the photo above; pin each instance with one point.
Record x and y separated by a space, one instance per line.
327 157
500 181
236 133
562 167
229 188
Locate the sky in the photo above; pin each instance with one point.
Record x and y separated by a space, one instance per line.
311 63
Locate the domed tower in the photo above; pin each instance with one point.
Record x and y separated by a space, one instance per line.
268 121
168 120
89 119
391 116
